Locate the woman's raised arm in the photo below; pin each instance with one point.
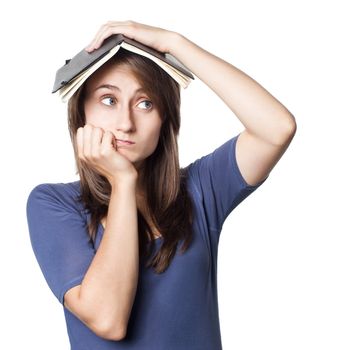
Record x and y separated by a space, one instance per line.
269 126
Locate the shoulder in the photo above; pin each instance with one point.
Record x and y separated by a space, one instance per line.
56 195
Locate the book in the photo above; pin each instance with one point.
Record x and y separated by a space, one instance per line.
74 73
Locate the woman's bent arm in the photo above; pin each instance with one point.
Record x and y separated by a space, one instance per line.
104 299
260 112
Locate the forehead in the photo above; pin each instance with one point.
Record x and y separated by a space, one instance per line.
115 74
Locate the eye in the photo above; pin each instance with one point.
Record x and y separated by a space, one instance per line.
108 101
146 104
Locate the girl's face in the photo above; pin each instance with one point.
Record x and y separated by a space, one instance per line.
115 101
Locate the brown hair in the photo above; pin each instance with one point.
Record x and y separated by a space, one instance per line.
170 206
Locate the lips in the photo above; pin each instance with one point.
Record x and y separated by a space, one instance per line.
124 142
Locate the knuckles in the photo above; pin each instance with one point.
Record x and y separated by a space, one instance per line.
90 151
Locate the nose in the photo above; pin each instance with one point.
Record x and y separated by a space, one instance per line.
124 121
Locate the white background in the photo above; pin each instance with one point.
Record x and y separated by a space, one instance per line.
288 255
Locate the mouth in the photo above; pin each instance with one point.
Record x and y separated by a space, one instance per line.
124 143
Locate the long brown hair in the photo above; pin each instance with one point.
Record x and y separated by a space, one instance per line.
170 206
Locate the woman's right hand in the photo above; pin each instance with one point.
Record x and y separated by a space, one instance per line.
97 148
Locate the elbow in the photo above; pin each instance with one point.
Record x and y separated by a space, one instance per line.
103 322
292 126
287 132
114 334
113 331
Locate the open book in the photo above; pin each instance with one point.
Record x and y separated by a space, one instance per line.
76 70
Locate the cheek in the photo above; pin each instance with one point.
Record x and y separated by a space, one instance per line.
153 136
156 131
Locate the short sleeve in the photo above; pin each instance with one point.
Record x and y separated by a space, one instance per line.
220 183
59 238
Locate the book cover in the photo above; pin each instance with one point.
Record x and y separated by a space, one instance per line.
76 70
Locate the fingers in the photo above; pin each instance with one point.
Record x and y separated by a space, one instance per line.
108 142
94 143
155 37
108 29
97 149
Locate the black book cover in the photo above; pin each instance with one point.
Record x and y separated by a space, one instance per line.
83 60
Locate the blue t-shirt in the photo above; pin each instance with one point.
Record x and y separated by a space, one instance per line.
175 310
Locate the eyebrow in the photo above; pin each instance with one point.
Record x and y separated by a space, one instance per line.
114 87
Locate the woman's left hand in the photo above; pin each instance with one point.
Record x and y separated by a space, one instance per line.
154 37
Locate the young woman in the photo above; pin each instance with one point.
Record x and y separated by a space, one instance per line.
130 250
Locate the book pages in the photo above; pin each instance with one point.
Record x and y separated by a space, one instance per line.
181 79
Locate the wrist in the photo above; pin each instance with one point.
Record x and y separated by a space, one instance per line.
123 180
175 41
